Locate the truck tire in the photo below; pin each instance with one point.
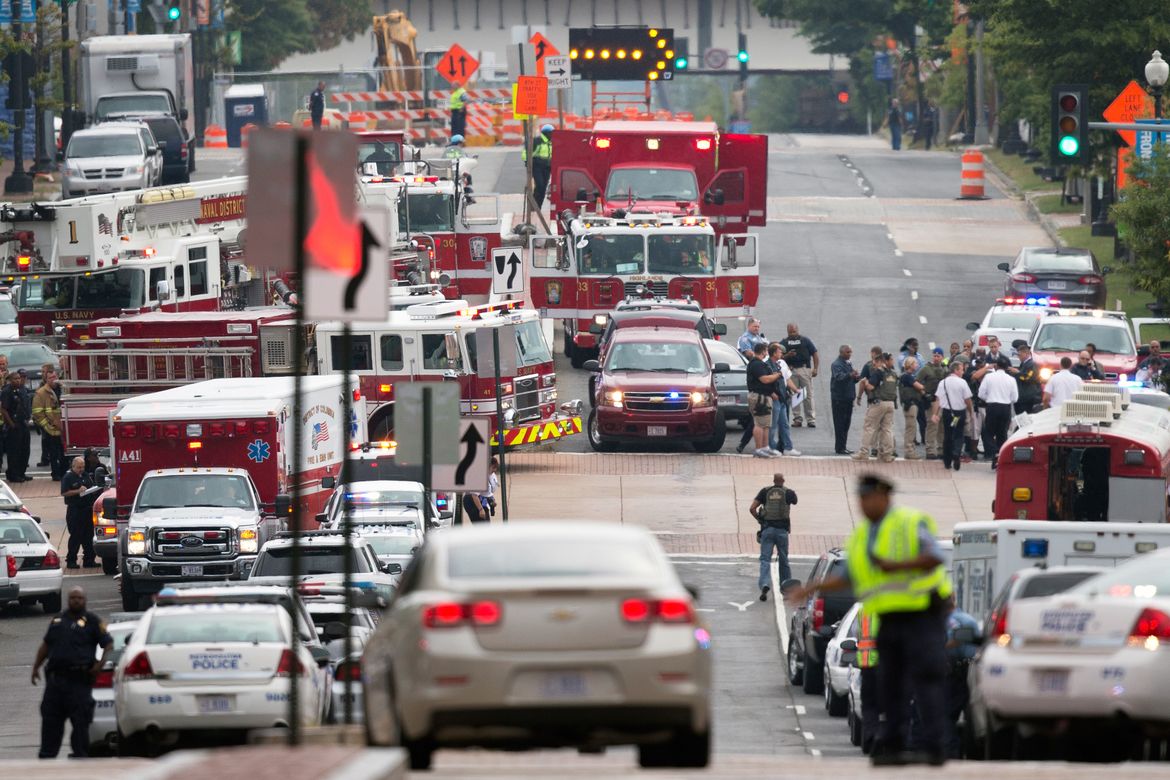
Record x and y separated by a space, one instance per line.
814 676
795 673
715 443
110 566
595 441
129 595
578 356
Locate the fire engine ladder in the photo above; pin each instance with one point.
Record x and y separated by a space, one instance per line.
146 369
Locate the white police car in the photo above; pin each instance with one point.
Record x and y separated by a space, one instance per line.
191 668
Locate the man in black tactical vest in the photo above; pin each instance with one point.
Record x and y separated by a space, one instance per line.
773 509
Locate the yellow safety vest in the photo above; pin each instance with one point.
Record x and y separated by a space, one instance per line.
457 100
541 149
867 655
897 540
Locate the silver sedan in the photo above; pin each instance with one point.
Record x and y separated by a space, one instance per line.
541 635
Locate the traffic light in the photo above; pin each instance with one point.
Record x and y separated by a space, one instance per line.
623 53
174 12
842 94
1070 125
682 57
742 56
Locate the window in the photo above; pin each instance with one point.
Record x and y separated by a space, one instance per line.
156 275
530 345
572 181
434 347
362 357
652 184
197 269
174 491
472 347
315 559
120 145
180 281
733 184
215 627
687 255
546 558
429 213
611 254
47 293
120 289
663 357
391 353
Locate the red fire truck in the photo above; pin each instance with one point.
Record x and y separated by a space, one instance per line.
113 359
82 259
598 261
681 168
1097 457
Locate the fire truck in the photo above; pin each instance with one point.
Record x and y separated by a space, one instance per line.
680 168
117 358
598 261
1099 457
86 258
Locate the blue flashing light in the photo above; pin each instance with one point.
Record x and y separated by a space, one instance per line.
673 394
364 585
1035 548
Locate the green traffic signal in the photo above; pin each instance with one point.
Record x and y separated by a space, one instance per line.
173 13
1069 146
743 55
680 63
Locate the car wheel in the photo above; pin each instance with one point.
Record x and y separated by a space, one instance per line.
595 440
110 566
854 729
132 745
129 595
51 603
421 751
715 443
998 740
795 673
686 749
814 676
835 705
578 356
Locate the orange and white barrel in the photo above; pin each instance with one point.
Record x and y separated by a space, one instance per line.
214 137
246 131
971 185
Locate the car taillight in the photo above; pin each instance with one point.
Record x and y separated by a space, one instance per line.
818 614
51 561
104 679
11 566
289 664
1151 623
348 670
998 622
139 668
1090 279
1024 278
184 152
662 610
451 614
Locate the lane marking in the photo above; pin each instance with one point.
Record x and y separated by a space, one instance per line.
907 271
781 616
890 236
913 295
897 253
799 708
741 607
814 752
808 735
704 609
922 319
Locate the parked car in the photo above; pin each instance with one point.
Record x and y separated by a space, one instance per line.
168 134
811 623
1070 274
840 652
29 355
1009 322
732 385
37 566
103 729
108 158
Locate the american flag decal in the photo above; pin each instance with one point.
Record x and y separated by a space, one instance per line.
104 225
320 433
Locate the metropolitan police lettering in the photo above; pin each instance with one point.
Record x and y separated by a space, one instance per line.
212 661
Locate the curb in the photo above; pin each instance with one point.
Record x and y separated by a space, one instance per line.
1005 183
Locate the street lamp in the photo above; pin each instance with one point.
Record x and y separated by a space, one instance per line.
1157 72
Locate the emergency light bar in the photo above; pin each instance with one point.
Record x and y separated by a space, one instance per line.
415 179
1031 300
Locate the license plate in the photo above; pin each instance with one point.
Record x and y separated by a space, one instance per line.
209 705
564 685
1058 285
1052 681
190 571
655 430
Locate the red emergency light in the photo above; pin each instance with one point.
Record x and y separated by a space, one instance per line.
23 261
216 429
195 445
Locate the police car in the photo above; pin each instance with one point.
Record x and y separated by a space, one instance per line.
326 605
35 566
322 556
380 502
1091 658
191 668
1011 319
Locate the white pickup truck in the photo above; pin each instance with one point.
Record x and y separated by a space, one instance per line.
192 524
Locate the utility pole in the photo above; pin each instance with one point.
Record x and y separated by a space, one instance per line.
982 136
66 78
19 181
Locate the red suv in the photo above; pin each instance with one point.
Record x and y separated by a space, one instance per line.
656 383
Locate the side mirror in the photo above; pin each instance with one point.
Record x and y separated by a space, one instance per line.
321 656
973 326
110 507
720 368
320 517
592 365
1004 267
582 195
392 568
162 291
848 645
162 145
100 474
714 197
152 150
789 585
334 629
282 505
719 329
183 115
328 482
965 636
826 631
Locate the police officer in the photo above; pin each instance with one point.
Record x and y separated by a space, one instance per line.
541 163
772 507
70 647
896 567
317 105
78 513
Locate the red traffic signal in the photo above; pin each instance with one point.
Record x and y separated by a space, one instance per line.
843 97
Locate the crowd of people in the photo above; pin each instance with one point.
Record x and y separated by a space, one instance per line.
952 405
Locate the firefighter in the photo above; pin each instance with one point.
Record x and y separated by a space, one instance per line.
867 661
895 565
457 104
541 163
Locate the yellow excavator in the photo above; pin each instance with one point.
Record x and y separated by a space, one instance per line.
397 59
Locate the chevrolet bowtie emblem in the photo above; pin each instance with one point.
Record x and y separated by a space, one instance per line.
563 615
657 399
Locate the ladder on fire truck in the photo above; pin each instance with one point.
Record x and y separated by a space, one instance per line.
143 370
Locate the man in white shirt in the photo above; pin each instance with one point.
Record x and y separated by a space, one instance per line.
952 405
999 392
1062 384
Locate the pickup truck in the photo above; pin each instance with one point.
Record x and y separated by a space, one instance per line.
192 524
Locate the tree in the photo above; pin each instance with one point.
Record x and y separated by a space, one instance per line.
1143 217
271 32
337 20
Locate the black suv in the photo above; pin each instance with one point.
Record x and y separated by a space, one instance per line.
811 623
176 149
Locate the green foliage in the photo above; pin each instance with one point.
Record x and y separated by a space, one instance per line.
848 26
46 55
338 20
1143 217
271 31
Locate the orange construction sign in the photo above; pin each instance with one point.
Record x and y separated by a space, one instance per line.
532 95
542 48
457 65
1131 103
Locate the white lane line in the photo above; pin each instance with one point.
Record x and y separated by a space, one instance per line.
808 735
741 607
799 708
815 753
907 271
913 295
897 253
890 236
778 603
922 319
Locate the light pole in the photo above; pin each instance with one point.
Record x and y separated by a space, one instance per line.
1157 71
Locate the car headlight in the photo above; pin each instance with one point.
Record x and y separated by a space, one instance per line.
548 380
548 396
249 540
701 398
614 398
136 543
1045 374
133 170
506 404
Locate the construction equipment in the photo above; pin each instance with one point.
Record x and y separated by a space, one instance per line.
397 59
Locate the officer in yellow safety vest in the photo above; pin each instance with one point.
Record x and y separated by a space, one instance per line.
867 661
897 569
457 104
541 163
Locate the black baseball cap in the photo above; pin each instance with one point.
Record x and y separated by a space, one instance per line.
873 483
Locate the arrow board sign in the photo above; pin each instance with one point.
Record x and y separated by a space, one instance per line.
361 296
470 473
507 271
558 71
